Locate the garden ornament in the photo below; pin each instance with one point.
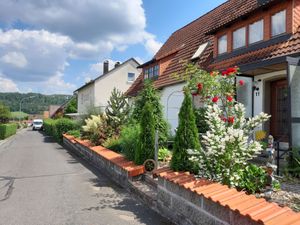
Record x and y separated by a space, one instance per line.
270 150
270 168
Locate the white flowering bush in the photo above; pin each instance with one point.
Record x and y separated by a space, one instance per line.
227 146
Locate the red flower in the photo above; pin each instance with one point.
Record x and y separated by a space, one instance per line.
215 99
224 73
229 98
200 86
241 82
231 119
224 119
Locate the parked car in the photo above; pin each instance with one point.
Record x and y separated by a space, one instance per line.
37 124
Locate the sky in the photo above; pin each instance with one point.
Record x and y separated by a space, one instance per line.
55 46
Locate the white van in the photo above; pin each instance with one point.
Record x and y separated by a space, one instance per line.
37 124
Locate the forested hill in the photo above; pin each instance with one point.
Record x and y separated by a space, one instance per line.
34 105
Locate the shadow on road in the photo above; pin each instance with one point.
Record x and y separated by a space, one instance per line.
118 199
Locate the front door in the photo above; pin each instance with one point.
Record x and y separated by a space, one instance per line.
279 110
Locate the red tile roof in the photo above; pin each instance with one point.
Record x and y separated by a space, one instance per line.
184 42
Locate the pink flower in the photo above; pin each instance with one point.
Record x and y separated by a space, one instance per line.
242 83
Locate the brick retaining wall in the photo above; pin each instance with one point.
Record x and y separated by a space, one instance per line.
181 197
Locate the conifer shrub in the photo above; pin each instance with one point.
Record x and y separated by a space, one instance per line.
117 111
147 136
186 136
150 95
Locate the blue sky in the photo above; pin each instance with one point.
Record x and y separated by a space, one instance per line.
56 46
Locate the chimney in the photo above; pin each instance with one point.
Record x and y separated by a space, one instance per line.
117 64
105 66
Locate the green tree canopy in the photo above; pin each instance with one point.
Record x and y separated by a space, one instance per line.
72 106
4 113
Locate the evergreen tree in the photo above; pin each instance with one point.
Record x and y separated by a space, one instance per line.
117 110
186 136
147 135
150 95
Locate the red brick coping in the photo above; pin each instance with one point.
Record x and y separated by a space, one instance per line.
258 210
118 159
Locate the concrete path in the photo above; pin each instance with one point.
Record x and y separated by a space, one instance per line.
42 184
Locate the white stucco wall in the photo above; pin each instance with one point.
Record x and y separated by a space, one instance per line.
117 78
85 98
171 99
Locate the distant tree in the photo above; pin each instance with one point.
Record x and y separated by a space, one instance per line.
72 106
4 113
186 136
117 110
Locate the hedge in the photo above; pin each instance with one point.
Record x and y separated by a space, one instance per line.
56 128
7 130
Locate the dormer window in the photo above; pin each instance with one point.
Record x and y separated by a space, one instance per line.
222 44
256 31
279 23
239 38
151 72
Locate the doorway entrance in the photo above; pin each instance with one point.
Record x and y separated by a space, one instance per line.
279 110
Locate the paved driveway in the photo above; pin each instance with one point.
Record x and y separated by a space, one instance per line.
42 184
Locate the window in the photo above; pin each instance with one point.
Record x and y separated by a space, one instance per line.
222 44
239 38
130 77
146 73
256 31
279 23
156 71
150 72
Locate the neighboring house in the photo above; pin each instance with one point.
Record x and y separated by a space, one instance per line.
262 37
96 93
52 110
60 111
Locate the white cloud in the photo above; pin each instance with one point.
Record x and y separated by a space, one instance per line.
15 58
57 31
7 85
95 24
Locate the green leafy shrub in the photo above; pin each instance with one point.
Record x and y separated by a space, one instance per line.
113 143
129 140
293 159
48 125
253 179
164 154
147 136
74 133
62 126
7 130
186 136
56 128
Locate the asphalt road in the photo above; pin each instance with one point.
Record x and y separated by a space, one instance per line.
42 184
